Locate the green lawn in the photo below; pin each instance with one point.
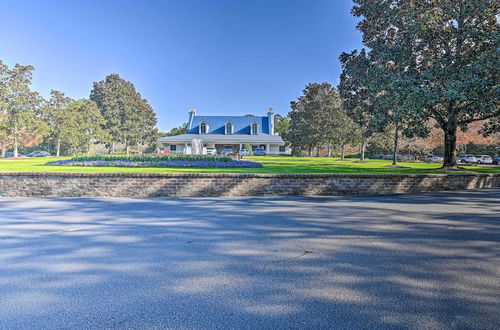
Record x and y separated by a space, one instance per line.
271 165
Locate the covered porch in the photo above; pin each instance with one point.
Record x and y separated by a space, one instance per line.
196 143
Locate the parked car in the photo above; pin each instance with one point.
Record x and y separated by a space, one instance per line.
244 152
11 154
496 160
407 157
39 154
227 151
467 159
435 159
210 151
484 159
164 151
259 152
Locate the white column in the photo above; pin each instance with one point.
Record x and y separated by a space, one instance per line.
241 146
267 148
185 148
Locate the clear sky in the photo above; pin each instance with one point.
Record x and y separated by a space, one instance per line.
220 56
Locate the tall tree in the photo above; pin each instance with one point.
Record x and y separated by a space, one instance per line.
318 120
59 119
89 125
306 117
345 131
281 125
80 124
140 124
359 95
19 106
175 131
129 118
6 140
451 56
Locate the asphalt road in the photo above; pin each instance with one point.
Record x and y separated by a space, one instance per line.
428 261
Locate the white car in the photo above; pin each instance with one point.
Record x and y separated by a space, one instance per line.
211 151
435 159
244 152
467 159
484 159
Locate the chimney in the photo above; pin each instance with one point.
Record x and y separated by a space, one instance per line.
270 119
192 114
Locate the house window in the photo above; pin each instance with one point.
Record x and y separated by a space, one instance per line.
203 128
228 128
253 128
173 147
282 149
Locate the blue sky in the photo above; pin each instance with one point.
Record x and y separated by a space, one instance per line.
229 57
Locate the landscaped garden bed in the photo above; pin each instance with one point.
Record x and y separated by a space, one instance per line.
278 165
202 161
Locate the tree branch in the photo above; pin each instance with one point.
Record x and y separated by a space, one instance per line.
471 120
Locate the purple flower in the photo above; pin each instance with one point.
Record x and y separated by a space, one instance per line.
164 163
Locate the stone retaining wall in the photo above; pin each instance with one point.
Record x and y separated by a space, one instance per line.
229 184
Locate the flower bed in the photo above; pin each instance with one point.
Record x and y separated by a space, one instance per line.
157 163
151 158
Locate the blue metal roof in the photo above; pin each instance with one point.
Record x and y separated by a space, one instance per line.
241 124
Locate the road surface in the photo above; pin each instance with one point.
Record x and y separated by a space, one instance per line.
424 261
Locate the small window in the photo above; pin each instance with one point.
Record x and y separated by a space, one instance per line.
282 148
173 147
253 128
203 128
228 128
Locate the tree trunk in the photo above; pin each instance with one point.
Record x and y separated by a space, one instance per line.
15 145
310 151
329 150
395 150
127 149
450 145
112 150
342 151
317 151
3 152
58 147
363 148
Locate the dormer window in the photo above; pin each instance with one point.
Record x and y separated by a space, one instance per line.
203 128
228 128
254 128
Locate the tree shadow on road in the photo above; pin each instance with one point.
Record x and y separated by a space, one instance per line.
344 262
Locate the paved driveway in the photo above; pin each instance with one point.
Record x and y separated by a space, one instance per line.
408 261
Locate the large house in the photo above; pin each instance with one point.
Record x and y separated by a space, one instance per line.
226 132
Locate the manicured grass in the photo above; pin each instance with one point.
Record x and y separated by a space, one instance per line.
271 165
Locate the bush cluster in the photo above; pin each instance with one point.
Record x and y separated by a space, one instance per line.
152 158
157 163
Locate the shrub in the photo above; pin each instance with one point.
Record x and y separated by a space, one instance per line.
299 153
157 163
152 158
